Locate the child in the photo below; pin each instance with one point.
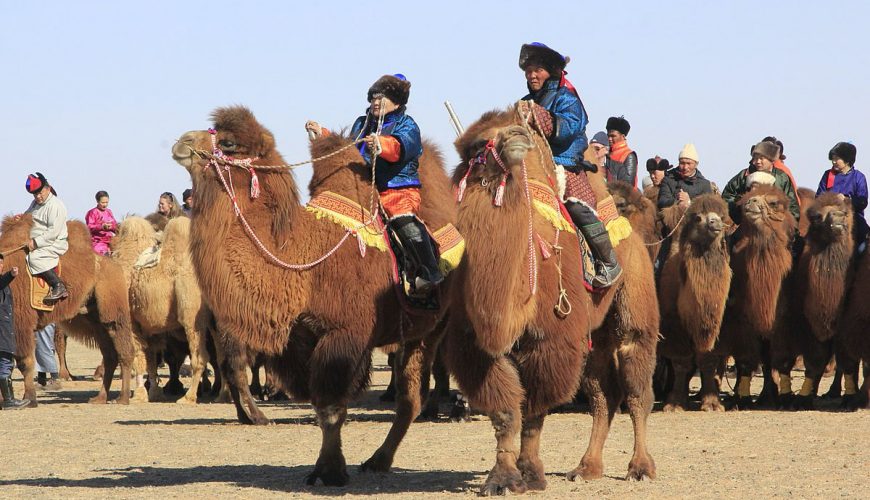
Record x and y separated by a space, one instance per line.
397 150
102 224
7 342
48 235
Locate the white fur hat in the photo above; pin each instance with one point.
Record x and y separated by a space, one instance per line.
759 177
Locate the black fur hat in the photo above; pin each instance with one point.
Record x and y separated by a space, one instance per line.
662 164
620 124
541 55
394 87
845 151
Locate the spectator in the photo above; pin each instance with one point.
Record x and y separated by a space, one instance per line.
622 161
7 342
187 198
102 224
46 357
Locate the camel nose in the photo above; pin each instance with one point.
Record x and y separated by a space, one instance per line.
183 147
715 223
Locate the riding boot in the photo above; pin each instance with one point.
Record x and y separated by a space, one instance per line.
420 249
58 288
9 401
607 268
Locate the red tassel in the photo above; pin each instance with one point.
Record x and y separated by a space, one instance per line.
255 184
499 193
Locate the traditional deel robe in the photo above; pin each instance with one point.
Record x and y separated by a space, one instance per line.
49 233
621 164
852 184
401 172
100 238
737 187
568 141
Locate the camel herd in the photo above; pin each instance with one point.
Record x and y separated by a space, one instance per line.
259 275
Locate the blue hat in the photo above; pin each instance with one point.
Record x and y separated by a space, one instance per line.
600 138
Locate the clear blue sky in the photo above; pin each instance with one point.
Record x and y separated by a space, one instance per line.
94 93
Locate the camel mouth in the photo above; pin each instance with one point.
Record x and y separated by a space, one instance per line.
514 143
183 151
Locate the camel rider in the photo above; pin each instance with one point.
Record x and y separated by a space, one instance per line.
398 148
764 155
560 113
48 235
621 162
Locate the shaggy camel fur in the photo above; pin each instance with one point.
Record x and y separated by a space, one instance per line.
513 356
853 328
640 212
692 294
96 285
806 197
824 276
761 261
319 326
164 299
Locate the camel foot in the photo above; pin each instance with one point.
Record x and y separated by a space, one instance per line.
155 395
99 399
711 403
803 403
674 408
332 474
766 400
587 472
140 395
852 402
743 403
123 398
833 392
380 462
187 400
429 413
641 469
785 401
174 388
501 480
223 398
33 403
533 474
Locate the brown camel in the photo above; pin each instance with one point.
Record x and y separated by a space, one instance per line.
761 261
512 353
853 329
806 197
692 294
640 212
824 276
96 311
318 325
164 298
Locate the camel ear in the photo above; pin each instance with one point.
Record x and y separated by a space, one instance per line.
268 143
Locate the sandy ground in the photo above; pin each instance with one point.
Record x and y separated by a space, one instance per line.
66 448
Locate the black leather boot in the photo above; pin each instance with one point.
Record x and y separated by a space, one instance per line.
9 401
420 248
58 288
607 268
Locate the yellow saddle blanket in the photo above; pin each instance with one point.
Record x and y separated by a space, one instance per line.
354 217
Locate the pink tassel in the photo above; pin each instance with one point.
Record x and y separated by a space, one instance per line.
499 193
545 252
255 184
362 246
460 192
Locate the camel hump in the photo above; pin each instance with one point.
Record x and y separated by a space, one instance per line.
176 236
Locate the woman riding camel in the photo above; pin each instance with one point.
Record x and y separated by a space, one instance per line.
558 110
396 148
101 223
48 235
844 179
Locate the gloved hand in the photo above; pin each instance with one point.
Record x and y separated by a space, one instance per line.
544 119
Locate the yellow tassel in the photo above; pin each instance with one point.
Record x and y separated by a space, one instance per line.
368 234
807 389
850 386
553 216
743 386
451 258
784 384
618 229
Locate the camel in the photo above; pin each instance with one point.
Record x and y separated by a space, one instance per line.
165 298
692 294
853 329
640 212
761 262
824 275
317 323
96 311
512 353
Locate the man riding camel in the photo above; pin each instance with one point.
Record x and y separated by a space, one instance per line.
559 111
397 150
48 235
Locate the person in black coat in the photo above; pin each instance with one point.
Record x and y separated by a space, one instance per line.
7 341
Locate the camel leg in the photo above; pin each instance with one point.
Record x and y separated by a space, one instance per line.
708 363
110 363
196 341
636 361
678 397
155 393
441 392
769 391
604 400
140 366
493 386
27 367
125 354
411 359
816 356
60 349
256 387
234 376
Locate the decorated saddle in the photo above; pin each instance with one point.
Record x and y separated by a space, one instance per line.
39 289
371 232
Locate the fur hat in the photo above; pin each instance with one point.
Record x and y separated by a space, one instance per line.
689 152
620 124
759 177
657 164
600 138
778 142
541 55
35 182
394 87
846 151
767 150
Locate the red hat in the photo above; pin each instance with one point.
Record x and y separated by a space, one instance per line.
35 182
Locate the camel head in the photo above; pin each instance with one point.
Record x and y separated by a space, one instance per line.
765 208
706 221
629 201
830 219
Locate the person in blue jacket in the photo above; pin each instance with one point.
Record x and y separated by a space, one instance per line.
558 110
843 178
7 341
397 150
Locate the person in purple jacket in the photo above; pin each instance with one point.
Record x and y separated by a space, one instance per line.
843 178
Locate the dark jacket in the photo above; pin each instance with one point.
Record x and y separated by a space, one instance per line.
625 171
7 331
674 182
736 188
853 185
403 173
569 122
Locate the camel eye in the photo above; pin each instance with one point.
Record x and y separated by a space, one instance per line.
227 144
774 203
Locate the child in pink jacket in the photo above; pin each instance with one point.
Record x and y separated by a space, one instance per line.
101 223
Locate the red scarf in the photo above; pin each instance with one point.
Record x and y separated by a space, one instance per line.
563 82
620 151
830 179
